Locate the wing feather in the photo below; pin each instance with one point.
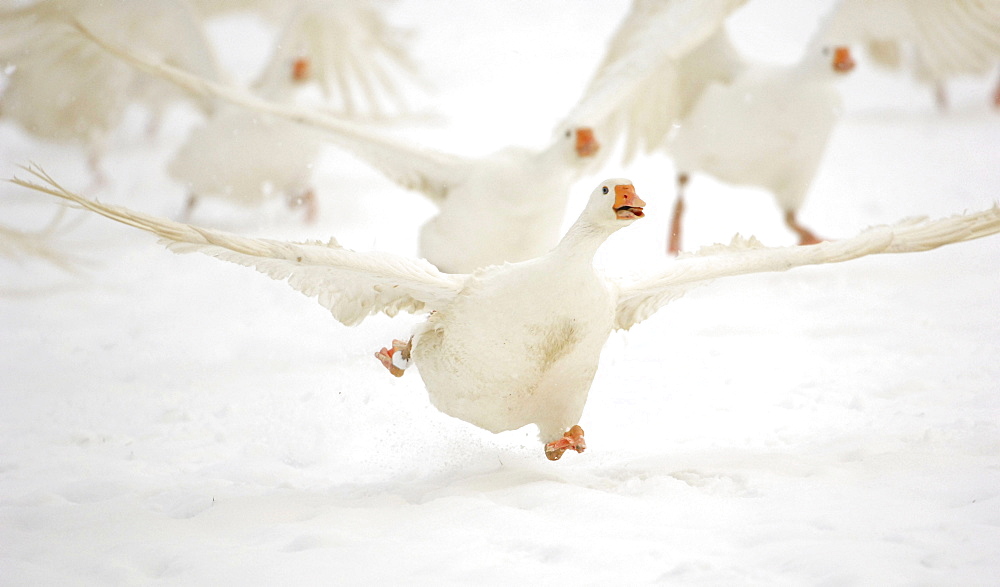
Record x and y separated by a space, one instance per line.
352 285
350 46
949 37
634 92
640 299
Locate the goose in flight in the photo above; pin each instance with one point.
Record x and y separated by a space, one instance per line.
936 40
672 80
492 209
519 343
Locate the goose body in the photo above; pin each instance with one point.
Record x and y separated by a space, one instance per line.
519 343
500 208
246 159
766 128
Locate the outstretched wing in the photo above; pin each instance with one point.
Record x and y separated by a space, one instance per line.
634 92
350 284
641 299
950 37
416 168
349 49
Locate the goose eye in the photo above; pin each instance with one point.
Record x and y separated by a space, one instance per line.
568 133
605 189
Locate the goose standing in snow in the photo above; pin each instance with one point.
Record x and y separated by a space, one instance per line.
64 89
517 344
672 80
490 210
946 38
245 157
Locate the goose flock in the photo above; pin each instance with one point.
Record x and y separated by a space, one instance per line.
517 313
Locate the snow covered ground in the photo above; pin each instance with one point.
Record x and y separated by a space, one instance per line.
176 420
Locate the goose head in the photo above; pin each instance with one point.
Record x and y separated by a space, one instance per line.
825 60
613 204
579 140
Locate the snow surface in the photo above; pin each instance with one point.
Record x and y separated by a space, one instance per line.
176 420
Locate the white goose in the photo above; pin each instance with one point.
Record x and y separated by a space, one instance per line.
517 344
947 38
64 89
247 158
489 208
672 80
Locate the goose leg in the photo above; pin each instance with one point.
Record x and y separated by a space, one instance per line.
189 206
806 236
941 96
996 95
306 200
572 439
396 359
674 245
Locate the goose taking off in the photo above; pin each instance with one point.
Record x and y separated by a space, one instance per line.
517 344
490 210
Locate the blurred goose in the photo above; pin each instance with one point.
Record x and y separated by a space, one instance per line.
503 207
672 80
768 127
347 52
62 88
945 38
517 344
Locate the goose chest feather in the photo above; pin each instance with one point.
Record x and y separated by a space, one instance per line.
518 347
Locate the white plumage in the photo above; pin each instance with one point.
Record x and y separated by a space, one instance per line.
350 52
492 209
247 159
519 344
63 88
345 54
936 40
672 80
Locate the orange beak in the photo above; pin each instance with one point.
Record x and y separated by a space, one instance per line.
842 61
628 206
586 144
301 69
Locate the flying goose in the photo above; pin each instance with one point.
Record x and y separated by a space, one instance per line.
519 343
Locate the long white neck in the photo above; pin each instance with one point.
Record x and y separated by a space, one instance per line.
582 240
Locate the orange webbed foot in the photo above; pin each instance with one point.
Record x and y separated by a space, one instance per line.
396 359
572 439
